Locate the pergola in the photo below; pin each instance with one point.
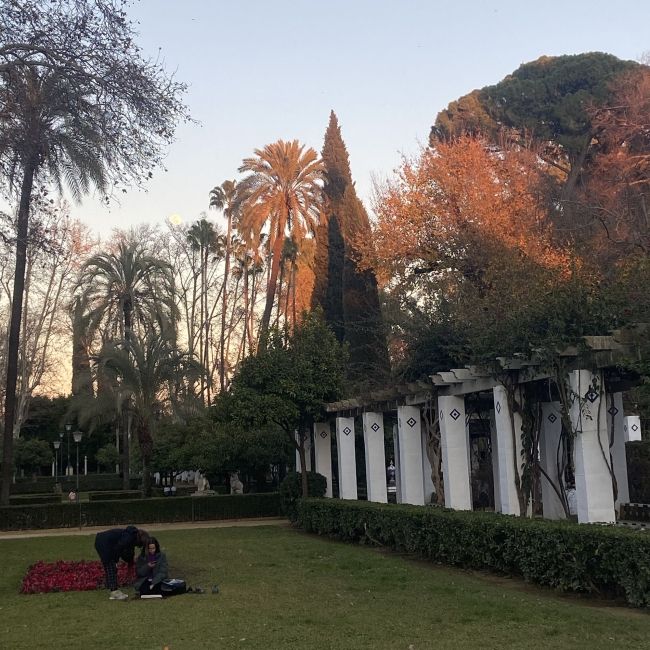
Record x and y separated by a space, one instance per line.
594 381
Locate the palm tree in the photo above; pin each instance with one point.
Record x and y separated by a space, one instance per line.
282 192
40 137
146 373
225 197
204 239
127 292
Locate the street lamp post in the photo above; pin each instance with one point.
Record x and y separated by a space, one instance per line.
57 444
68 429
77 435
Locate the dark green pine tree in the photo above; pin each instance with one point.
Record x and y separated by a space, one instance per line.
348 296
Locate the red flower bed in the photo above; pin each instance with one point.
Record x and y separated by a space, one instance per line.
43 577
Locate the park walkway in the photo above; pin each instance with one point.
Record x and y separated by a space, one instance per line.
181 525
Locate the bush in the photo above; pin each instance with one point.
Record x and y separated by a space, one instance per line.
607 560
31 499
114 494
291 490
145 511
90 482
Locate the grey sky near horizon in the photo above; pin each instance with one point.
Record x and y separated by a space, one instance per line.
262 70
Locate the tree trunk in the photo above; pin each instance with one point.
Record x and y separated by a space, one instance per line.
303 466
224 305
14 330
272 285
126 453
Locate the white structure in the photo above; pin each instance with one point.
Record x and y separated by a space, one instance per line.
346 455
373 437
616 429
323 453
632 428
454 441
551 431
409 433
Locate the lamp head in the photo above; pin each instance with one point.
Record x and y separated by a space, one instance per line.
68 427
77 435
57 444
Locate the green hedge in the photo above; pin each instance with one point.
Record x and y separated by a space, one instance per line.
638 470
181 490
291 490
607 560
87 483
31 499
139 511
112 495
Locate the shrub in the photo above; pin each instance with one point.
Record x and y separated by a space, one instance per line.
144 511
31 499
111 495
291 490
607 560
90 482
638 470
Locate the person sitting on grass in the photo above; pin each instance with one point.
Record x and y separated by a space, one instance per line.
151 569
113 545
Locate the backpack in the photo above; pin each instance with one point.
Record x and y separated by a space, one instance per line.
172 587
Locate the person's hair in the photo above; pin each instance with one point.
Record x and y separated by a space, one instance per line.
152 540
142 538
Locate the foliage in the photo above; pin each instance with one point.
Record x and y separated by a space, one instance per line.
565 556
291 490
81 107
346 292
638 470
145 511
107 457
282 192
33 454
44 577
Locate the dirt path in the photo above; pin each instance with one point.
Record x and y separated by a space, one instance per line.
183 525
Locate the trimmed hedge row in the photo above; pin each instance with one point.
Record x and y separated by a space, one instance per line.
141 511
113 495
90 482
31 499
607 560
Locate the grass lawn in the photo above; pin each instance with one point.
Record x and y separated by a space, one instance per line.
280 588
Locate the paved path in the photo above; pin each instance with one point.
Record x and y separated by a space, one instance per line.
182 525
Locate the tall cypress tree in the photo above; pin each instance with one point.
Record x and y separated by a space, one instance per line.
348 295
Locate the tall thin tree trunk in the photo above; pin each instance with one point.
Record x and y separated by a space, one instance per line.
14 330
276 256
224 305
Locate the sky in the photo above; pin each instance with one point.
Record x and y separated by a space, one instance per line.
263 70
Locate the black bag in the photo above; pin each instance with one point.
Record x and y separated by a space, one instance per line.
172 587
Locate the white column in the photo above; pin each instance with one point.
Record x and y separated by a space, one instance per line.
455 452
550 433
616 424
594 493
307 453
427 480
85 465
53 469
409 430
509 448
373 437
494 446
398 465
632 428
346 458
323 453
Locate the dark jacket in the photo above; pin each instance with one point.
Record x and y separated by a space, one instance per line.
116 543
144 571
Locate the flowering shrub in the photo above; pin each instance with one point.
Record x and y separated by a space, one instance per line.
44 577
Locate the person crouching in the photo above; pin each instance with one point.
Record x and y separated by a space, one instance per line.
151 569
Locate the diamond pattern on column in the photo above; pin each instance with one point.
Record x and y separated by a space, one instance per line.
498 407
591 395
455 414
612 410
323 434
635 427
375 427
552 417
411 422
347 431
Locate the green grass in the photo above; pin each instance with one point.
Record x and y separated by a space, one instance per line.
283 589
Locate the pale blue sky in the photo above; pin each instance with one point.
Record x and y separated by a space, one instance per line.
261 70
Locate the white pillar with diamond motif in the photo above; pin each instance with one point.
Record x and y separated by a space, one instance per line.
551 431
323 453
616 424
455 457
509 449
398 465
307 453
494 448
346 457
373 437
409 431
594 492
632 428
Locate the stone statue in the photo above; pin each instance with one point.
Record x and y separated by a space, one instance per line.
236 486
